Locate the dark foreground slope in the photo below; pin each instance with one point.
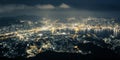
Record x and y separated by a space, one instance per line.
98 53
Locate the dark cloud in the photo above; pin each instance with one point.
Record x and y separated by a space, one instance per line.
78 4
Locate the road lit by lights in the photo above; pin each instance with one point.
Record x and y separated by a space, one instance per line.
52 28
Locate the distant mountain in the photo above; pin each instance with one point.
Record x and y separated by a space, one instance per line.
6 21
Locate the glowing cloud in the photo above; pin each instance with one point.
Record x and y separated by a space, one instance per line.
45 6
64 6
9 8
14 7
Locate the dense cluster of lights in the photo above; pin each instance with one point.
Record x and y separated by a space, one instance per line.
51 29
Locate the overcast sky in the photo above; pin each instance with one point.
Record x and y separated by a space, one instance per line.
11 6
79 4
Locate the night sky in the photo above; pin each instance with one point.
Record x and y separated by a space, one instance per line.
68 7
79 4
20 17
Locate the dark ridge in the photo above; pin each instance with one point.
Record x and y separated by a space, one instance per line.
97 53
63 56
49 55
71 56
7 21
